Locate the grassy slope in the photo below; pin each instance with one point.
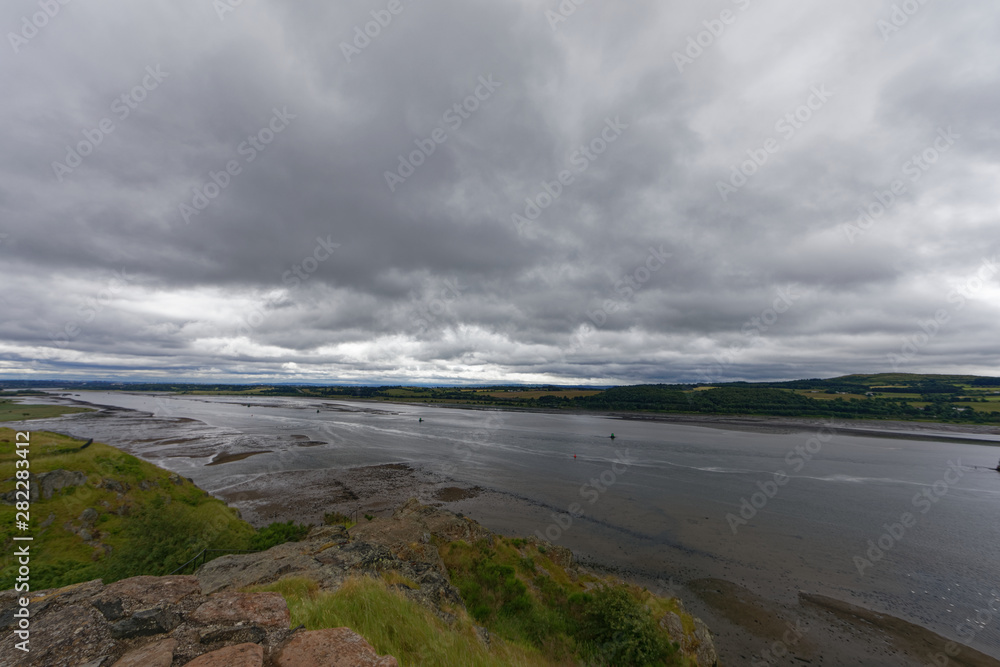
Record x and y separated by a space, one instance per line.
536 613
516 591
164 525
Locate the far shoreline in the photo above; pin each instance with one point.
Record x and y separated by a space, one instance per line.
874 428
869 428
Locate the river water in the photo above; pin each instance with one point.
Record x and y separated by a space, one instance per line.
661 500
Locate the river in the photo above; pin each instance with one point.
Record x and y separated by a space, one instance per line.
907 527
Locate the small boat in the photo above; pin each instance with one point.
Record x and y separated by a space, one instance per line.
612 436
421 419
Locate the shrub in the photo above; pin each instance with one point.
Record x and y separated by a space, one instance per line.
617 630
278 533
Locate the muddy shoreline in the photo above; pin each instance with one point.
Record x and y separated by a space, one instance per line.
747 627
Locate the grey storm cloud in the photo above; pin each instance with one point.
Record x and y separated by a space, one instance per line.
480 192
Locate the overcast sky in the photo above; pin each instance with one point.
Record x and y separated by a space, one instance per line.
393 212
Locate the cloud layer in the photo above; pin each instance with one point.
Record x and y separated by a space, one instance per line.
522 191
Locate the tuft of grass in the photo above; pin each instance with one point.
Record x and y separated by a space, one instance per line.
338 519
395 625
392 578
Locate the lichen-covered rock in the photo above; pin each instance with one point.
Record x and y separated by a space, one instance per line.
113 485
263 609
145 592
671 622
697 643
157 654
45 485
144 621
335 647
329 556
706 654
240 655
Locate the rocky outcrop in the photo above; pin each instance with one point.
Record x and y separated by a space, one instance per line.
206 619
329 556
168 622
336 647
45 485
697 643
48 483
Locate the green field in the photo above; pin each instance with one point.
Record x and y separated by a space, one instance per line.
11 411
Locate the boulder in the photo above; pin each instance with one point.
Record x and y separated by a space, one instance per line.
157 654
671 622
112 485
335 647
706 653
44 486
73 636
140 621
145 623
240 655
144 592
261 609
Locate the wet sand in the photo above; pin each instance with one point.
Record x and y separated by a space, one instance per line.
748 628
230 458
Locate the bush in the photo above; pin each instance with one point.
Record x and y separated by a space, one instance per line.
162 536
617 630
278 533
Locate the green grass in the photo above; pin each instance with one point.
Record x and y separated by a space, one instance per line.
278 533
515 590
338 519
152 528
397 626
11 411
536 613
